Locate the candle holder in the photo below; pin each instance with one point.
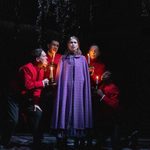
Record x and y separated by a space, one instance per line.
96 87
51 76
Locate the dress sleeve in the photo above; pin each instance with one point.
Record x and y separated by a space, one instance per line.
111 97
27 78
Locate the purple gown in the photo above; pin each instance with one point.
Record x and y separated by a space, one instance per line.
73 107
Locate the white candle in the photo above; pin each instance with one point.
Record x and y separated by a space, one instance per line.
51 72
88 58
97 79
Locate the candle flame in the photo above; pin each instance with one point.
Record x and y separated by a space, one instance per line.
97 78
88 58
51 68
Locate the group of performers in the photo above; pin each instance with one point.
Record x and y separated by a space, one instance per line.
71 94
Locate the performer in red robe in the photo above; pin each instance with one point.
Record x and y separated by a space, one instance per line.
106 112
26 89
53 58
96 66
49 92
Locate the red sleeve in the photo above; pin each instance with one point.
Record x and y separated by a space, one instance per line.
29 78
111 97
57 58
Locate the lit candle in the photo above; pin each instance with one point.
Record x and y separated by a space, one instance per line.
88 58
53 57
97 79
51 72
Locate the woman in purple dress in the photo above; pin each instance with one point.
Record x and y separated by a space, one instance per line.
72 115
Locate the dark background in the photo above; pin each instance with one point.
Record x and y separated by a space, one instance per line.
120 28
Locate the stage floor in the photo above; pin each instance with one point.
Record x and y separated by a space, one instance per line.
24 142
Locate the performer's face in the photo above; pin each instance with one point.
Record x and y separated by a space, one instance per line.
94 52
53 46
42 60
73 45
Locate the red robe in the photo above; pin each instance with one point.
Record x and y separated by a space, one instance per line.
106 111
111 98
98 69
56 60
30 77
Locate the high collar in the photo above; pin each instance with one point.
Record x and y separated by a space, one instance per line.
71 55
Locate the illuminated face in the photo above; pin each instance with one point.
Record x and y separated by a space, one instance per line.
73 45
42 60
94 52
53 46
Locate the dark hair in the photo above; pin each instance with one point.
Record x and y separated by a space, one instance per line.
36 53
107 76
95 45
78 52
49 42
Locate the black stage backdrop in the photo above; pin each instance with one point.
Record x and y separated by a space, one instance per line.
120 28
